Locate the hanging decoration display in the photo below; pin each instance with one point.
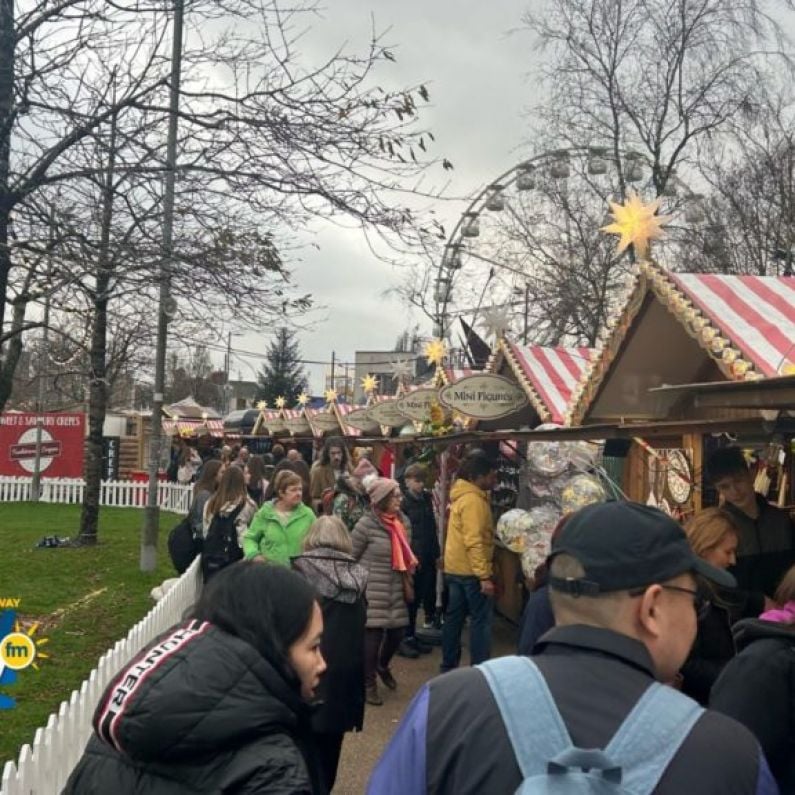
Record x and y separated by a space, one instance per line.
580 490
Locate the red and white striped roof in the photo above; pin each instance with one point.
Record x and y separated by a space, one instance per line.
552 372
190 427
456 374
343 409
757 313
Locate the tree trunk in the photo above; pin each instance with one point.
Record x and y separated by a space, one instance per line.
98 389
11 350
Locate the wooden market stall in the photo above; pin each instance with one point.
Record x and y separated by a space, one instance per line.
680 328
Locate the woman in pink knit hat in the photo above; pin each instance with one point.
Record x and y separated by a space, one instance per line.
381 543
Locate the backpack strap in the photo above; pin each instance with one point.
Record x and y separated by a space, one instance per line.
535 728
650 736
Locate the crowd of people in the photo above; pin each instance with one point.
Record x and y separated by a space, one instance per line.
652 658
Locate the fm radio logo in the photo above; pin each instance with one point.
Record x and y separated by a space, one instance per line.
19 649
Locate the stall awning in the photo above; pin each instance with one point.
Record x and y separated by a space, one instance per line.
756 313
194 427
550 372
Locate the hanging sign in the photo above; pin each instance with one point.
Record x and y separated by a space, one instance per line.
325 421
297 425
387 413
483 396
360 420
416 405
62 440
274 424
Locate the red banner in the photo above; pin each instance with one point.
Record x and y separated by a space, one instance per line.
62 444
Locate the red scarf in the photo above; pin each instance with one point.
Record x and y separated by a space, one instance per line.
402 557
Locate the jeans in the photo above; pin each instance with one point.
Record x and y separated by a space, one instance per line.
424 595
465 599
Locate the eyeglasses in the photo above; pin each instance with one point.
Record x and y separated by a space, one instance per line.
701 603
700 599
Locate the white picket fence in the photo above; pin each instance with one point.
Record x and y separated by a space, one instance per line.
114 493
43 768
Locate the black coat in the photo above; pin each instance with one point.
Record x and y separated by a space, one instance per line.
340 583
714 644
757 688
199 711
766 549
424 538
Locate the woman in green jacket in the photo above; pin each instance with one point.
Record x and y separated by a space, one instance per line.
277 531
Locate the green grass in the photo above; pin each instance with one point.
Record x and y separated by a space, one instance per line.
86 598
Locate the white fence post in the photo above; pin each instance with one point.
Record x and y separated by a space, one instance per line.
44 768
119 493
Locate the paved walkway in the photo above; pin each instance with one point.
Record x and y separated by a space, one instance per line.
361 751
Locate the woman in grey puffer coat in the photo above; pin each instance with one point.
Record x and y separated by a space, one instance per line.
387 612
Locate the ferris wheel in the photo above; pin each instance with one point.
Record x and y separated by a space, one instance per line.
527 255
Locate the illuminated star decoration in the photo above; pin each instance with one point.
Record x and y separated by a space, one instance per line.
636 223
330 395
303 399
280 402
494 321
401 368
369 384
262 405
435 351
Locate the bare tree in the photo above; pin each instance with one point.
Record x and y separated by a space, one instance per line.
267 138
750 212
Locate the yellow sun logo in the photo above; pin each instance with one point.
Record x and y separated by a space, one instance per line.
20 649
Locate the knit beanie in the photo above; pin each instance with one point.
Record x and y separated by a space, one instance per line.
379 489
365 472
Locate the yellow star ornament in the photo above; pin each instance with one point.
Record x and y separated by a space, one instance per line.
369 383
303 399
330 395
262 405
435 351
636 223
281 402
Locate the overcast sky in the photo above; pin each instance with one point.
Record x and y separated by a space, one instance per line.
476 67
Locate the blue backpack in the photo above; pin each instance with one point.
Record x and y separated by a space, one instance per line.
632 763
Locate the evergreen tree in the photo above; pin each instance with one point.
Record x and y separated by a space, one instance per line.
282 374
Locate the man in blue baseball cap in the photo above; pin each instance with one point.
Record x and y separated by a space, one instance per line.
593 702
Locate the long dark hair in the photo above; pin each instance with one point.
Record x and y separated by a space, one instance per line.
232 488
208 480
335 441
268 606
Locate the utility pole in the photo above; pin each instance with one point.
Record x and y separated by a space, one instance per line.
227 368
148 559
333 360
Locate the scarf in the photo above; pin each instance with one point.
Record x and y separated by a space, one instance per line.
402 557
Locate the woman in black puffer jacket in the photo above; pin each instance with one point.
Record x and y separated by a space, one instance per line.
757 688
217 703
340 584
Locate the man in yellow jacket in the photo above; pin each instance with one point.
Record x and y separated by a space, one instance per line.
468 570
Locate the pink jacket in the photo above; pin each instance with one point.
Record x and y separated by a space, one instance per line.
781 615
